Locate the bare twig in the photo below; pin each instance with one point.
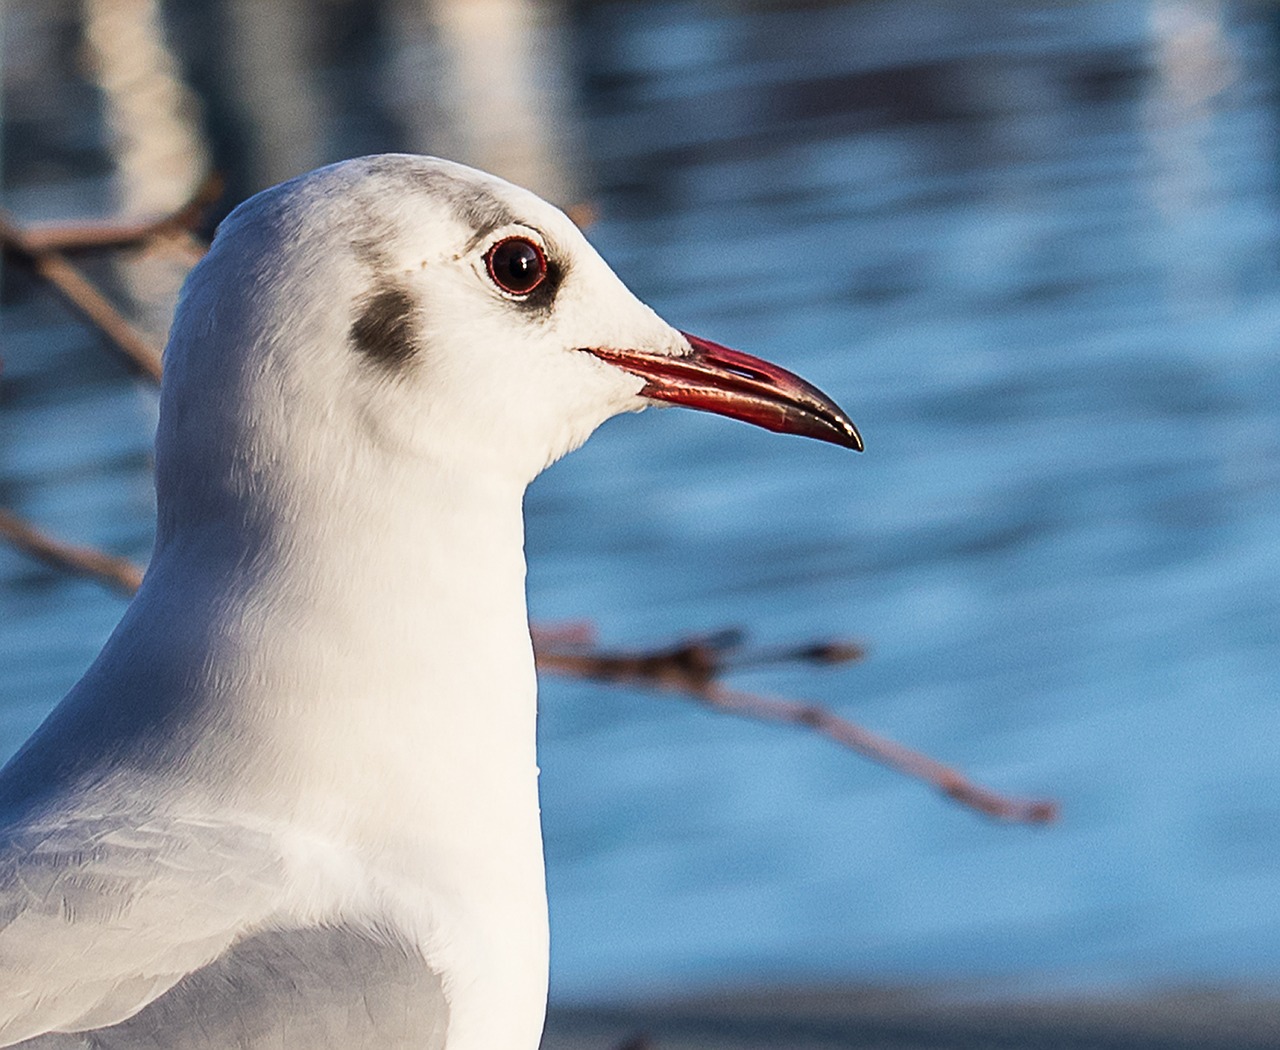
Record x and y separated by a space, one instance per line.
886 752
692 669
689 666
119 573
116 233
83 296
575 633
43 249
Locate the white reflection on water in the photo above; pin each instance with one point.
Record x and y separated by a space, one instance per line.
158 152
152 116
484 81
1194 65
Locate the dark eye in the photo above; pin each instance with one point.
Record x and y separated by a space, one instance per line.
517 265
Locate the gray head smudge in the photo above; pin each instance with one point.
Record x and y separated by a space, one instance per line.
384 329
474 206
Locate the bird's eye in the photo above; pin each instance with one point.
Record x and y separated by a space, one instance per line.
516 265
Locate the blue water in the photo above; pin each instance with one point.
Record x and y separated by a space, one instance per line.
1032 248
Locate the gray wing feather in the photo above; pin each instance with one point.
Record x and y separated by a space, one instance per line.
324 988
101 914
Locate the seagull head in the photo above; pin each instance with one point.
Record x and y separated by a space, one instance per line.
407 303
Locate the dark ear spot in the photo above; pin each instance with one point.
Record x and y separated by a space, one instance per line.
384 329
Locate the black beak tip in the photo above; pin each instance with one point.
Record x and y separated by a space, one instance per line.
847 435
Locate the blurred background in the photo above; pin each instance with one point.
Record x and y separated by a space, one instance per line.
1031 247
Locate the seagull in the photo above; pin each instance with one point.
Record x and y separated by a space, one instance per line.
293 804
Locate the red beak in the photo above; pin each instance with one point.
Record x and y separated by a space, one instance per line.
714 378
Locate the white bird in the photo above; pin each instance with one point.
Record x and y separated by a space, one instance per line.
293 804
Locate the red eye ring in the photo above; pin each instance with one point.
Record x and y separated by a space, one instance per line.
516 265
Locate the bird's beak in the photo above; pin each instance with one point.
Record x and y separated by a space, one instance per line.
714 378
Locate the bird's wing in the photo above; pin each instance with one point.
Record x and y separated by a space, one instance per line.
100 914
319 988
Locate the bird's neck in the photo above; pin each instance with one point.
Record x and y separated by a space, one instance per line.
362 672
364 648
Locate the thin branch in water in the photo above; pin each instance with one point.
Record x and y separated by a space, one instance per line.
692 670
574 634
115 233
83 296
827 651
118 573
688 666
44 250
951 782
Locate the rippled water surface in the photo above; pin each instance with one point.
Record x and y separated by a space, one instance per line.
1033 249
